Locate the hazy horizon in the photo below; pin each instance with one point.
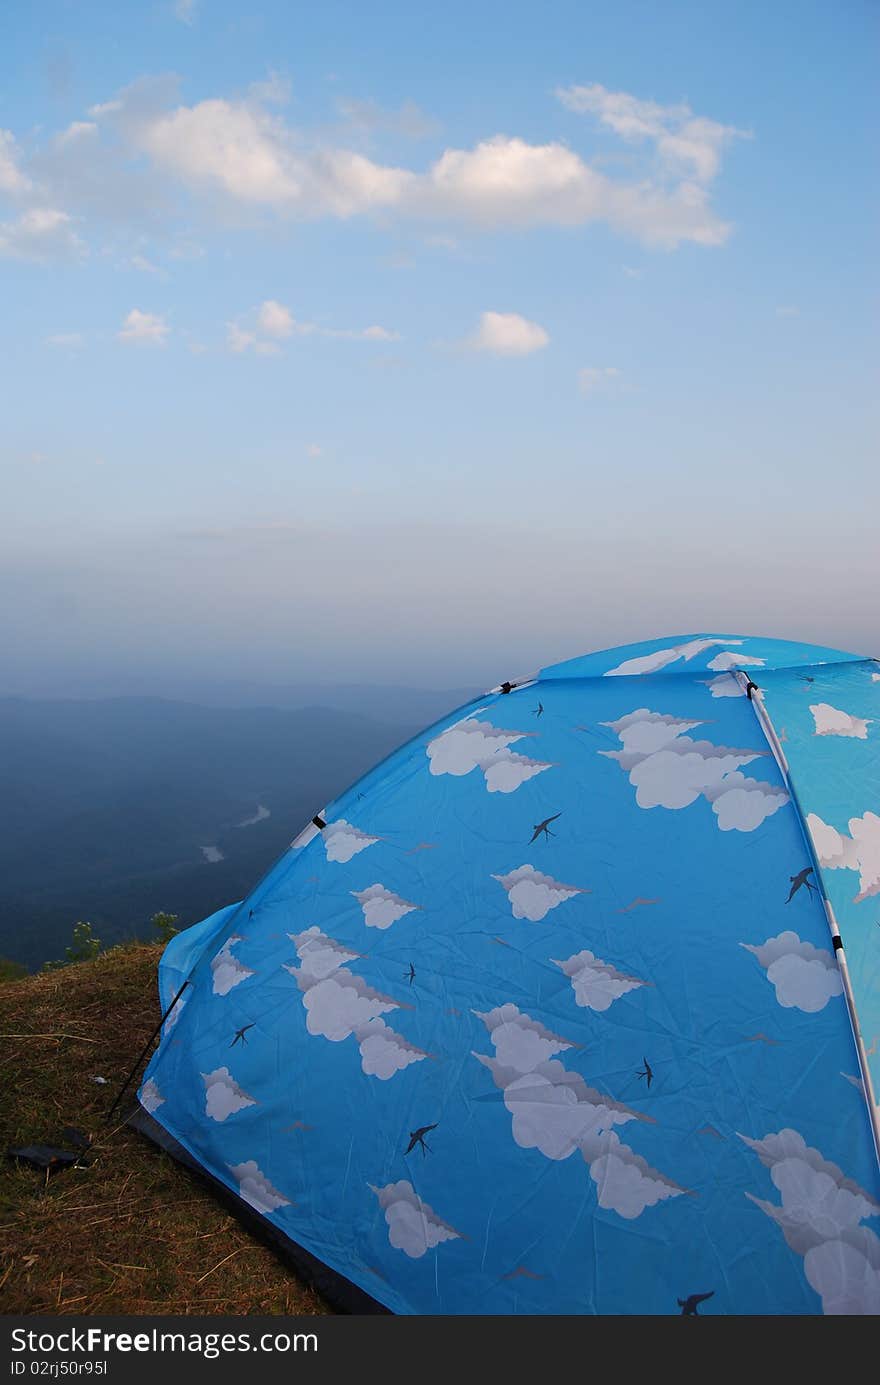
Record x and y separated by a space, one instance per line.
338 356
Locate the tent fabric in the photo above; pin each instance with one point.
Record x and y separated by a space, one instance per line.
543 1015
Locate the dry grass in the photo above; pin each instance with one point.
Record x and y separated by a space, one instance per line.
133 1232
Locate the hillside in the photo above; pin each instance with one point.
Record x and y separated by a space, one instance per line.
133 1232
115 809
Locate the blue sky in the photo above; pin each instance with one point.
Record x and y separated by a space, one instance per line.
402 342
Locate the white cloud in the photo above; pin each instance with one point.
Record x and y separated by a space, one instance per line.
185 11
555 1111
661 658
272 323
76 130
673 771
223 1096
830 721
859 851
804 977
413 1226
240 149
239 341
144 329
820 1216
274 319
368 116
42 234
687 146
274 90
255 1187
12 180
508 334
67 341
342 841
596 379
506 181
595 983
788 311
532 895
145 266
150 1097
226 969
243 152
381 907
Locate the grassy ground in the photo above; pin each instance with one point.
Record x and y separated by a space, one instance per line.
133 1232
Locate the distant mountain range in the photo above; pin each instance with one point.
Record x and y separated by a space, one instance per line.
114 809
394 704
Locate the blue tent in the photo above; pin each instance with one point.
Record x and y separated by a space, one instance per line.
550 1012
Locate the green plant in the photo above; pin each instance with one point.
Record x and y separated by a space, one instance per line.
164 925
11 971
84 948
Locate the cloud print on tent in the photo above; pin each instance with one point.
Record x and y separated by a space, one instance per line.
150 1097
223 1096
342 841
255 1188
340 1005
471 744
804 977
671 770
532 894
413 1226
595 983
859 851
662 658
830 721
227 970
175 1013
556 1112
382 907
820 1218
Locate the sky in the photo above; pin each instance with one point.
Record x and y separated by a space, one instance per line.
429 344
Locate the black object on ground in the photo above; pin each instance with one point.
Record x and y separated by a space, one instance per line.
51 1158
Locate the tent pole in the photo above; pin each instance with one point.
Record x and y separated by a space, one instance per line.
756 697
123 1089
